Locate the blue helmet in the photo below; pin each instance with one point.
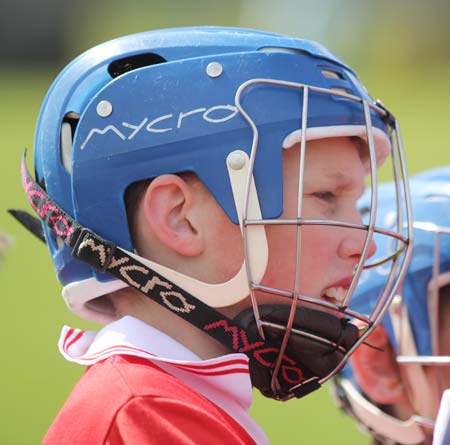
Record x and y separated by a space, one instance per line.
165 102
412 324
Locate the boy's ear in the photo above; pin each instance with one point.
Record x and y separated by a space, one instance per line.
170 210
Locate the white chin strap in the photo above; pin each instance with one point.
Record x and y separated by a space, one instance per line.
79 295
406 432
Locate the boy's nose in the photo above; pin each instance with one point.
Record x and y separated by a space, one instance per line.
353 243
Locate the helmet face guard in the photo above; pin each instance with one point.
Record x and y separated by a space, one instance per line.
412 324
397 235
224 104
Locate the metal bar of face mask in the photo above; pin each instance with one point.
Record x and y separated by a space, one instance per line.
323 222
399 224
313 301
301 168
380 309
373 206
337 223
426 360
305 334
398 193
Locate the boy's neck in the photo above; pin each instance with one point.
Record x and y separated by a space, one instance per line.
131 302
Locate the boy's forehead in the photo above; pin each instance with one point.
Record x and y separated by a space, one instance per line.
335 155
333 161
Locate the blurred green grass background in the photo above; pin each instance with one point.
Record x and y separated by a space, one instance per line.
402 63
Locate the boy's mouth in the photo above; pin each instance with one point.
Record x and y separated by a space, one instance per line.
335 294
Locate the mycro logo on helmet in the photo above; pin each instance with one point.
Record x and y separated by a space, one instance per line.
165 122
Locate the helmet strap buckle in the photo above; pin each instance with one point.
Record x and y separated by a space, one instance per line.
100 252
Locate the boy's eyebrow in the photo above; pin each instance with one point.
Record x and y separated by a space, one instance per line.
345 181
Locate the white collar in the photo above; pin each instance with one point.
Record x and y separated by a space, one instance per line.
224 380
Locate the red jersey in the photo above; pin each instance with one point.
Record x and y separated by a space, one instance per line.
130 396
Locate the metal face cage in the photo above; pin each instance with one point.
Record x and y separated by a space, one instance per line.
400 234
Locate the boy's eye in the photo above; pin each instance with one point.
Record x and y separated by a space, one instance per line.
325 196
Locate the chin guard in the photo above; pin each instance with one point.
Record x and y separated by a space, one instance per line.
317 343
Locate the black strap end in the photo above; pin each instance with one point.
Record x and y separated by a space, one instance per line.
30 222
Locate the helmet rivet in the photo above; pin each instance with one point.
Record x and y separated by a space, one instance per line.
104 108
214 69
237 159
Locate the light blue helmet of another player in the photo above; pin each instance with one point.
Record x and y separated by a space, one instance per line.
412 323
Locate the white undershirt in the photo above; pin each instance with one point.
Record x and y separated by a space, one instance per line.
224 380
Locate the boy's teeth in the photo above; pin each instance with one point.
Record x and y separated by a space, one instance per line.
337 293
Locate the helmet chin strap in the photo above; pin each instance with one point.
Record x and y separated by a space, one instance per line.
318 341
237 288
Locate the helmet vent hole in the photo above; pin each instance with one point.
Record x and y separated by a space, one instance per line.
122 66
332 74
68 128
276 49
